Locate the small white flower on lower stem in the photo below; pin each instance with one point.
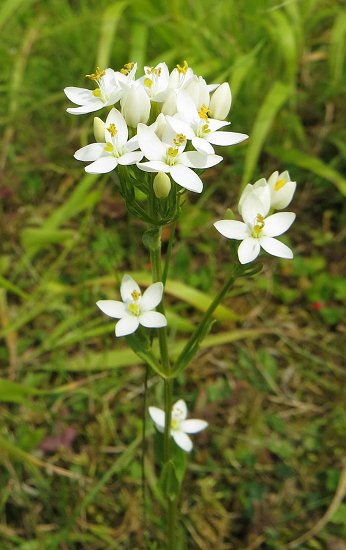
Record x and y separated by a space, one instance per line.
257 230
180 427
135 309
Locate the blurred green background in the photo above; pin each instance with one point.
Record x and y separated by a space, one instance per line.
269 472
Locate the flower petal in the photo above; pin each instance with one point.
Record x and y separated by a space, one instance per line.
226 138
130 158
278 223
180 408
252 205
158 417
203 146
193 425
89 152
152 297
126 325
102 165
149 143
116 118
79 96
153 166
183 441
88 108
276 248
112 308
232 229
152 319
128 285
248 250
187 178
195 159
180 127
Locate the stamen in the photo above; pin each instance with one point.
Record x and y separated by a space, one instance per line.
127 68
183 69
99 73
109 148
135 295
260 224
134 309
148 83
204 112
206 129
179 139
152 70
112 129
97 92
279 184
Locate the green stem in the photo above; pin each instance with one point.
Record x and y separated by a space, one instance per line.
169 252
201 327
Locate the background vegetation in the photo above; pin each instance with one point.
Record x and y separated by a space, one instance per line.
269 473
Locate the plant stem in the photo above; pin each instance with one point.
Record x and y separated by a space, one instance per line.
201 327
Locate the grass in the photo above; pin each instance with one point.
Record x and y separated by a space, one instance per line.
269 473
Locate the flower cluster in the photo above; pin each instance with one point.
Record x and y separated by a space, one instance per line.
257 230
173 119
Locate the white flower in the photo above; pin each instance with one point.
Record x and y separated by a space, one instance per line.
198 90
197 126
221 102
114 150
168 156
282 189
257 231
259 189
135 309
180 76
106 93
180 427
155 81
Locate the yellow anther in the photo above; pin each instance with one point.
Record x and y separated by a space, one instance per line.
155 71
135 295
279 184
260 224
203 112
174 424
179 139
127 68
99 73
97 92
112 129
206 129
148 82
172 152
183 69
109 148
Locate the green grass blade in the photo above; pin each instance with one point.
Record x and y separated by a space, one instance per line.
110 19
273 102
337 48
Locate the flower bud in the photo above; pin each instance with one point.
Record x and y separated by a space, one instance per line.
221 102
198 90
99 130
161 185
282 189
135 106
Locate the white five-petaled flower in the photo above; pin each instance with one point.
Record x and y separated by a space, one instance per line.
107 92
180 427
135 309
168 156
256 230
199 128
155 81
115 149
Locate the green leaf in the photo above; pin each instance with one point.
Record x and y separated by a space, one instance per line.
275 99
13 392
109 23
337 51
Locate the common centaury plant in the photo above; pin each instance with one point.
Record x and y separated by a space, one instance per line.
158 135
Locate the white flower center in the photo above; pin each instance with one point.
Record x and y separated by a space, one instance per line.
113 146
